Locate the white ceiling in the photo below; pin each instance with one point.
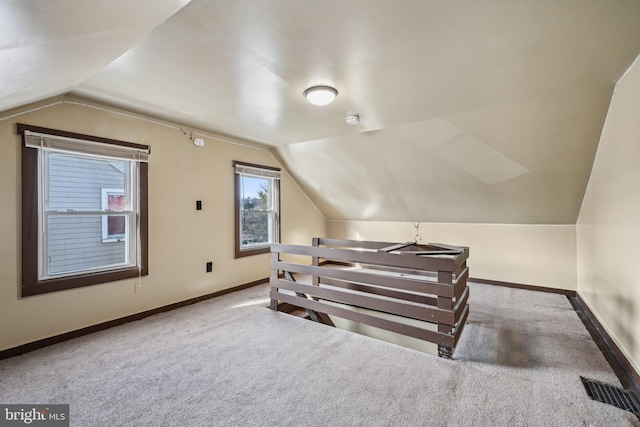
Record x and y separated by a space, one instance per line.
471 111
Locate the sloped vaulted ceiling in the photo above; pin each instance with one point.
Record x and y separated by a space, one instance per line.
49 47
471 111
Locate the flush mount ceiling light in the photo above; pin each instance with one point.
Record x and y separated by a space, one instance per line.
320 95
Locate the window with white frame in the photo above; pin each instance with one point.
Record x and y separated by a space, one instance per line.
86 210
257 203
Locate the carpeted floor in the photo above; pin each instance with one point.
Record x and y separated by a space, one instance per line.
231 362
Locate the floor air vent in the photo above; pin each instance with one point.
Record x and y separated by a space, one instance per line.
611 395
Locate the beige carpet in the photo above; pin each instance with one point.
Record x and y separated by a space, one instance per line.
232 362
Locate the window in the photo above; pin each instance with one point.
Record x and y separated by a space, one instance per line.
113 226
257 207
84 210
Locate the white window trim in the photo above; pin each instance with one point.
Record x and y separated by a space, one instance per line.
131 248
272 215
273 176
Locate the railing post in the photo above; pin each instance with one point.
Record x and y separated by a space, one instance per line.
315 280
275 257
445 277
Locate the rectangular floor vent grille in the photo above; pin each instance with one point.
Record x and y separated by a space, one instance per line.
611 395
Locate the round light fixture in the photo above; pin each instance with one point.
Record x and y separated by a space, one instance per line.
320 95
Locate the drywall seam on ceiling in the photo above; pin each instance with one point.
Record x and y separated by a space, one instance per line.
595 157
460 223
627 70
129 115
30 111
120 113
167 125
281 164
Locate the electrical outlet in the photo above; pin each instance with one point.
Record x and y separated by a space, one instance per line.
198 205
209 266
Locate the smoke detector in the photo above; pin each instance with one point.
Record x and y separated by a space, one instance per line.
353 119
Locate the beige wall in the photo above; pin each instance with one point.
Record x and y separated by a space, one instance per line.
608 229
539 255
181 239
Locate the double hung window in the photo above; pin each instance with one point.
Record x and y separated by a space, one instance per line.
84 210
257 203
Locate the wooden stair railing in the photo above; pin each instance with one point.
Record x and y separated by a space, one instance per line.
409 281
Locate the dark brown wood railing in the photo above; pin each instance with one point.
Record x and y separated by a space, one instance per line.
422 282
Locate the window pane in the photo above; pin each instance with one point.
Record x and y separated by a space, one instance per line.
115 225
255 228
256 205
78 243
255 193
75 183
115 202
75 244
